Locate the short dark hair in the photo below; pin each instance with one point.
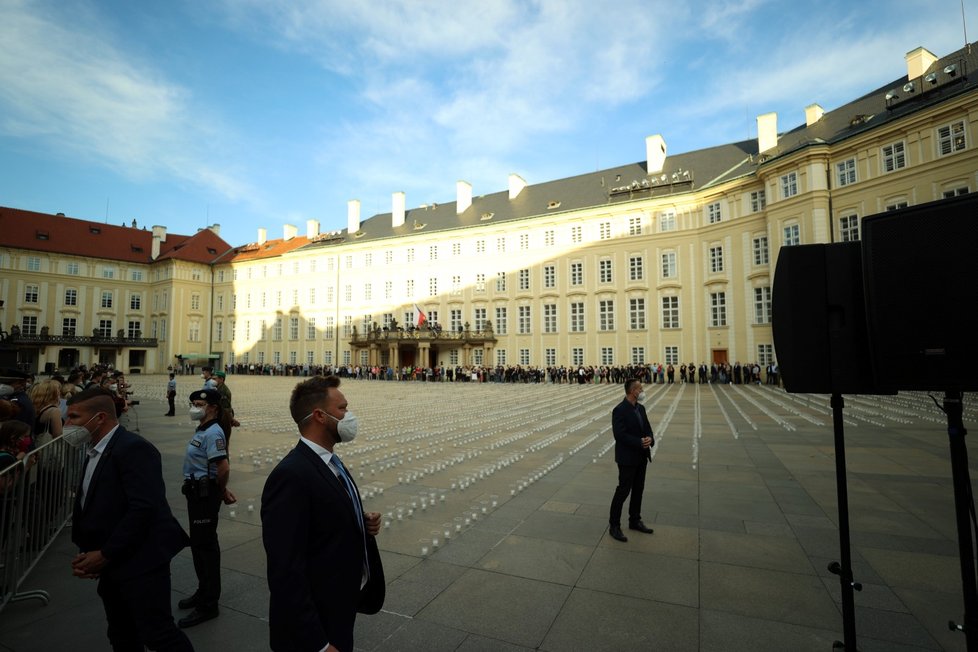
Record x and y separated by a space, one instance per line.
309 394
630 383
12 430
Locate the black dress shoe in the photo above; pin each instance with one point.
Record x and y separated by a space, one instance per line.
198 616
188 603
640 526
616 533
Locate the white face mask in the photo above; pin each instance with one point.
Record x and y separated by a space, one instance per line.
114 387
346 427
6 390
77 436
197 413
641 396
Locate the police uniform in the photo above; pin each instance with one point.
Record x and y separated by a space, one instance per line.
204 496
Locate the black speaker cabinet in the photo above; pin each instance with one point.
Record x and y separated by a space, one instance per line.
922 295
819 320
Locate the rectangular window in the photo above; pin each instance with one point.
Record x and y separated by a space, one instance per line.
955 192
762 305
606 314
667 221
672 355
607 355
480 246
501 321
455 320
636 314
433 252
636 268
765 354
849 228
409 288
33 264
28 325
761 255
549 276
108 272
524 320
577 317
635 225
501 282
758 201
107 299
577 273
68 326
348 325
500 357
789 185
71 297
524 279
479 319
456 248
894 157
456 284
550 357
388 289
388 257
410 254
71 269
713 212
293 328
105 327
718 308
476 357
669 264
501 245
845 172
524 241
577 356
330 329
604 271
524 356
604 231
368 292
670 312
480 282
950 138
896 205
135 329
195 302
432 286
716 259
549 237
135 301
233 330
792 235
30 293
577 234
277 329
310 328
638 355
549 318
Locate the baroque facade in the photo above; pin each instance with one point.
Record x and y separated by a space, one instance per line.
667 260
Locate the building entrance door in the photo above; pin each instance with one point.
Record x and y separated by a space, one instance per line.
719 356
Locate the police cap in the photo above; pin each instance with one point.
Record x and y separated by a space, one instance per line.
211 396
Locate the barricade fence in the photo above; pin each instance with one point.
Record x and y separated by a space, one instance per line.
36 500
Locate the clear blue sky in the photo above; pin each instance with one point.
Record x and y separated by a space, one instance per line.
257 113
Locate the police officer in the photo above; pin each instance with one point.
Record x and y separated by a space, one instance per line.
205 470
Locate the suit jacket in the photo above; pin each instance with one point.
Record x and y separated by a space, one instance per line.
630 423
315 555
126 514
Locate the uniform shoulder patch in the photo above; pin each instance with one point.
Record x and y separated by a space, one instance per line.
220 444
195 442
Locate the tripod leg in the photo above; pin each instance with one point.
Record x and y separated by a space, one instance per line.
844 568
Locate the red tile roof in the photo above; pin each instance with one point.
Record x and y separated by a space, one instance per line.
270 249
59 234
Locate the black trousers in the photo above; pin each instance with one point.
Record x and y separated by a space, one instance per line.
173 410
203 513
139 613
631 480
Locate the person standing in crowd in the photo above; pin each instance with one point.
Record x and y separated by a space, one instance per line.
205 484
633 453
46 399
221 379
171 394
323 562
17 380
208 375
123 526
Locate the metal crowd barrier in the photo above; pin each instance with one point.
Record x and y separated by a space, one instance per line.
36 500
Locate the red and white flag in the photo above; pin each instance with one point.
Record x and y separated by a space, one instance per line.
422 318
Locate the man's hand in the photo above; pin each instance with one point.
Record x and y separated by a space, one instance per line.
646 442
235 423
229 498
88 565
372 521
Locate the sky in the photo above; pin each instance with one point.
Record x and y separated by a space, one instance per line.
260 113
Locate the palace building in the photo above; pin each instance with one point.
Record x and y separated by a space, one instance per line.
670 259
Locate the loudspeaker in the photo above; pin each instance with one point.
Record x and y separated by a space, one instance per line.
922 296
819 320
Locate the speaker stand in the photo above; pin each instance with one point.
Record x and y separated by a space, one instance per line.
964 507
843 568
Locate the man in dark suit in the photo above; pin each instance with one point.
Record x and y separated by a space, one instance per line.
123 527
323 562
633 452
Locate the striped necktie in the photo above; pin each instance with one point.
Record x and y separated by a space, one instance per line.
352 492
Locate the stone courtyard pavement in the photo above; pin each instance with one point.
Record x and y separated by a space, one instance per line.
741 493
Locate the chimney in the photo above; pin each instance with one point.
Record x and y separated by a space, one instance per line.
767 131
353 216
289 231
397 209
918 61
159 237
813 113
262 235
215 229
655 153
463 196
516 185
312 228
